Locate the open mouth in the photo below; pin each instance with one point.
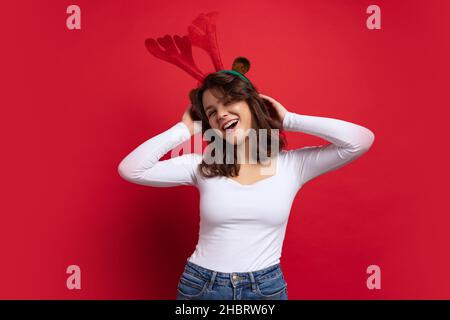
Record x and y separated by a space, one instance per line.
231 125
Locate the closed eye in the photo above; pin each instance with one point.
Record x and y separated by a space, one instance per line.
228 103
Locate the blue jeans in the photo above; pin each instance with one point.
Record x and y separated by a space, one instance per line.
198 283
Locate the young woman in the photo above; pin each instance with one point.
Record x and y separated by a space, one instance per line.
244 206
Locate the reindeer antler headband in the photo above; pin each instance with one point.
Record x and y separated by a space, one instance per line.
202 33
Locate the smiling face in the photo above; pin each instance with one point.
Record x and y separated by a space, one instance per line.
231 121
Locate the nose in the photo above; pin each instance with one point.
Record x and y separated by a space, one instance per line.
222 113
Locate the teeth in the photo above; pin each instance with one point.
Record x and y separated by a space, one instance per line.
230 123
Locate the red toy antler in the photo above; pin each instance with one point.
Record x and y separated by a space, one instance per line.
202 33
184 59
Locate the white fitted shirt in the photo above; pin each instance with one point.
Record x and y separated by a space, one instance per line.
242 227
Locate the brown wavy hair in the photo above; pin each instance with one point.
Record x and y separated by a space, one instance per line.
264 116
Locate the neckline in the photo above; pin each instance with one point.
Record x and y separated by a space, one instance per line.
259 181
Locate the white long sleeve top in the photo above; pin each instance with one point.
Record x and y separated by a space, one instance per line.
242 227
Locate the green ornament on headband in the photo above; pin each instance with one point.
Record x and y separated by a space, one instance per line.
236 73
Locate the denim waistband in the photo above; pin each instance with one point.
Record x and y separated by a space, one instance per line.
235 278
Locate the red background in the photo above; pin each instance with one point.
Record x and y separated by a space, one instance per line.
75 102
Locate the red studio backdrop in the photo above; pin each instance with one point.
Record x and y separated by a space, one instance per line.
75 102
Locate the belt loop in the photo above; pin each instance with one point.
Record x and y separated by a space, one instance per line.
211 282
252 279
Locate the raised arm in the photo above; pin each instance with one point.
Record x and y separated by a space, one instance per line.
348 142
142 165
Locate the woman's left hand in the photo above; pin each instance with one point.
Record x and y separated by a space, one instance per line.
280 109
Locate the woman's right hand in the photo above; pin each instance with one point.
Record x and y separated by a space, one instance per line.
187 119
